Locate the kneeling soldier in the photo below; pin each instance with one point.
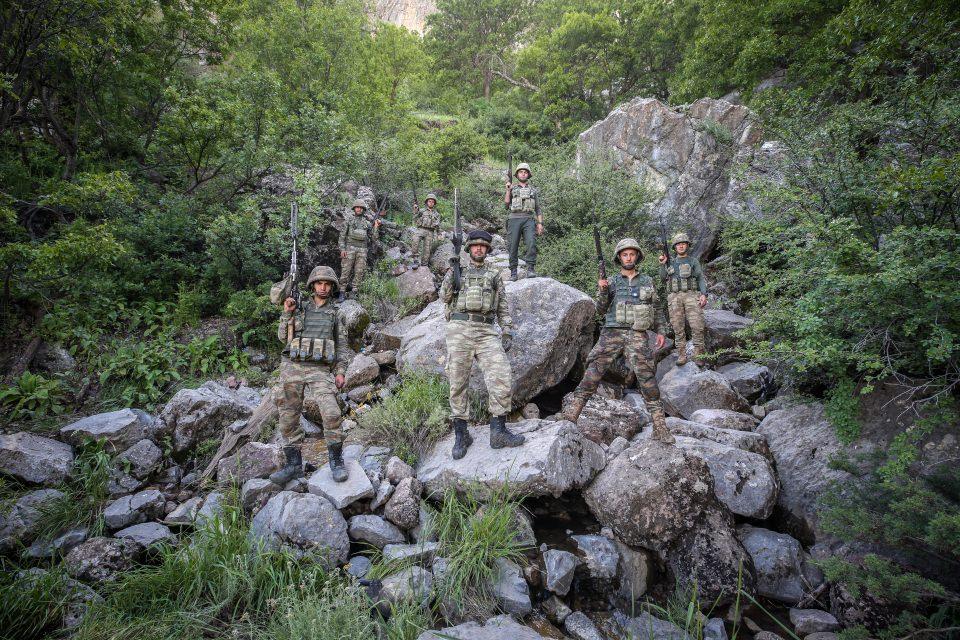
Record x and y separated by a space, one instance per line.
470 314
686 297
311 370
629 301
425 236
358 232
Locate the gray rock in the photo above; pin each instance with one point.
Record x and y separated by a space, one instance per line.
821 635
509 589
255 492
560 566
751 380
686 389
530 411
53 358
385 358
148 534
411 586
499 628
646 626
396 470
714 630
779 561
359 567
141 459
384 491
303 523
134 509
356 319
636 568
185 513
211 510
171 475
420 553
605 419
58 546
121 484
361 394
725 419
618 446
417 286
807 621
722 326
101 559
373 460
193 415
78 597
403 507
766 635
34 459
556 610
341 494
600 556
753 442
362 370
389 336
375 531
119 429
19 525
252 460
555 458
579 627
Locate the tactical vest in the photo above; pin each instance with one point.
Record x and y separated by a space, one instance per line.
357 231
523 200
429 219
632 304
680 276
316 341
478 291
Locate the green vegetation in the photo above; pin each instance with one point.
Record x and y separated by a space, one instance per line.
380 295
85 495
33 603
32 396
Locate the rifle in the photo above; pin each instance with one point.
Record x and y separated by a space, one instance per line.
294 285
663 239
457 243
510 165
601 263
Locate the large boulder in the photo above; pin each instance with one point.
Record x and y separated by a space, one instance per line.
782 570
555 458
193 415
725 419
418 287
688 388
751 380
303 523
119 429
19 522
356 319
685 155
101 559
389 336
252 460
35 459
740 439
604 419
499 628
722 326
361 370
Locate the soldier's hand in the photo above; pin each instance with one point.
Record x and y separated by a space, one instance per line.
339 380
603 283
662 259
377 222
703 301
289 305
660 341
539 228
509 185
343 254
506 339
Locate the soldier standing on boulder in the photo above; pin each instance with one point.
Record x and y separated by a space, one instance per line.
686 297
523 203
470 314
425 237
629 302
311 370
358 232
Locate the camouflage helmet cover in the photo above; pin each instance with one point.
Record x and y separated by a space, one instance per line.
359 202
323 273
679 237
431 196
479 236
627 243
522 165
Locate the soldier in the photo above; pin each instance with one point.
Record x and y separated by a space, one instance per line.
425 237
523 203
686 297
471 336
357 232
629 302
311 370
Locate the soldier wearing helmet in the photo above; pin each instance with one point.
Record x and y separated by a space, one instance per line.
686 297
427 223
312 369
357 234
629 303
525 219
470 314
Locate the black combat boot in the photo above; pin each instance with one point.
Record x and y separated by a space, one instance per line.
341 296
513 274
532 271
500 436
415 265
464 439
337 468
292 468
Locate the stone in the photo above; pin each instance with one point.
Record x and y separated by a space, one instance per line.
384 491
499 628
211 509
636 567
388 337
822 635
255 492
618 446
34 459
101 559
725 419
375 531
556 610
42 549
410 586
359 567
418 287
780 564
121 484
303 523
646 626
396 470
714 630
341 494
361 370
356 319
600 557
119 429
753 442
509 589
142 459
148 534
807 621
384 358
579 627
605 419
722 326
19 525
421 553
686 389
766 635
185 513
77 597
193 415
560 566
361 394
751 380
555 458
252 460
134 509
403 507
53 358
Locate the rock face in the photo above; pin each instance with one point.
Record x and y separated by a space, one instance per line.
555 458
782 573
193 415
676 153
604 419
253 460
687 389
301 523
725 419
356 319
411 14
120 429
417 285
101 559
35 459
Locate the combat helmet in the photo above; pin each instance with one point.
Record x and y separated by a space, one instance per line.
627 243
679 237
322 273
430 196
479 236
522 165
359 202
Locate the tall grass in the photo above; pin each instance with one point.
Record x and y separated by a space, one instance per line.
85 495
380 295
31 605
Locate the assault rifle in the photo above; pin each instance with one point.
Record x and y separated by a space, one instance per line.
663 239
510 166
294 284
457 243
601 263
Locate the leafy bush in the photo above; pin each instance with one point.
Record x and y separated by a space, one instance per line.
380 295
206 356
254 318
450 150
32 396
139 373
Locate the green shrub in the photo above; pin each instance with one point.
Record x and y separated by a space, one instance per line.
380 295
32 396
254 318
140 372
206 357
450 150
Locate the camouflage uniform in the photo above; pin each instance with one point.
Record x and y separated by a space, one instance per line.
358 231
685 284
427 221
524 208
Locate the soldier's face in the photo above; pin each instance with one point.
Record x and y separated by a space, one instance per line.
358 210
478 252
431 203
628 258
682 248
523 175
322 288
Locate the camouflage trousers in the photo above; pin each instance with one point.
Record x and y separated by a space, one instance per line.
526 228
468 341
352 268
684 308
309 389
424 240
635 349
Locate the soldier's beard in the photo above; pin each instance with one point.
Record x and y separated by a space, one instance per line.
629 266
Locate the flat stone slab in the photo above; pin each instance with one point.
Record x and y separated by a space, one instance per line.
500 628
35 459
342 494
148 534
753 442
375 531
419 553
120 429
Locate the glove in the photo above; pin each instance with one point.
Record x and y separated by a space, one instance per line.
506 339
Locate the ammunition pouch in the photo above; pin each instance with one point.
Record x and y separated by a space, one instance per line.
320 350
477 292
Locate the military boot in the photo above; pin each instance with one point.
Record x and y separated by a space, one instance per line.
532 271
500 436
464 439
573 405
337 468
341 296
415 264
660 430
291 469
681 354
513 275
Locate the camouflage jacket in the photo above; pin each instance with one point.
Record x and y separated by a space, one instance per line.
341 334
501 308
426 218
605 297
355 226
671 271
